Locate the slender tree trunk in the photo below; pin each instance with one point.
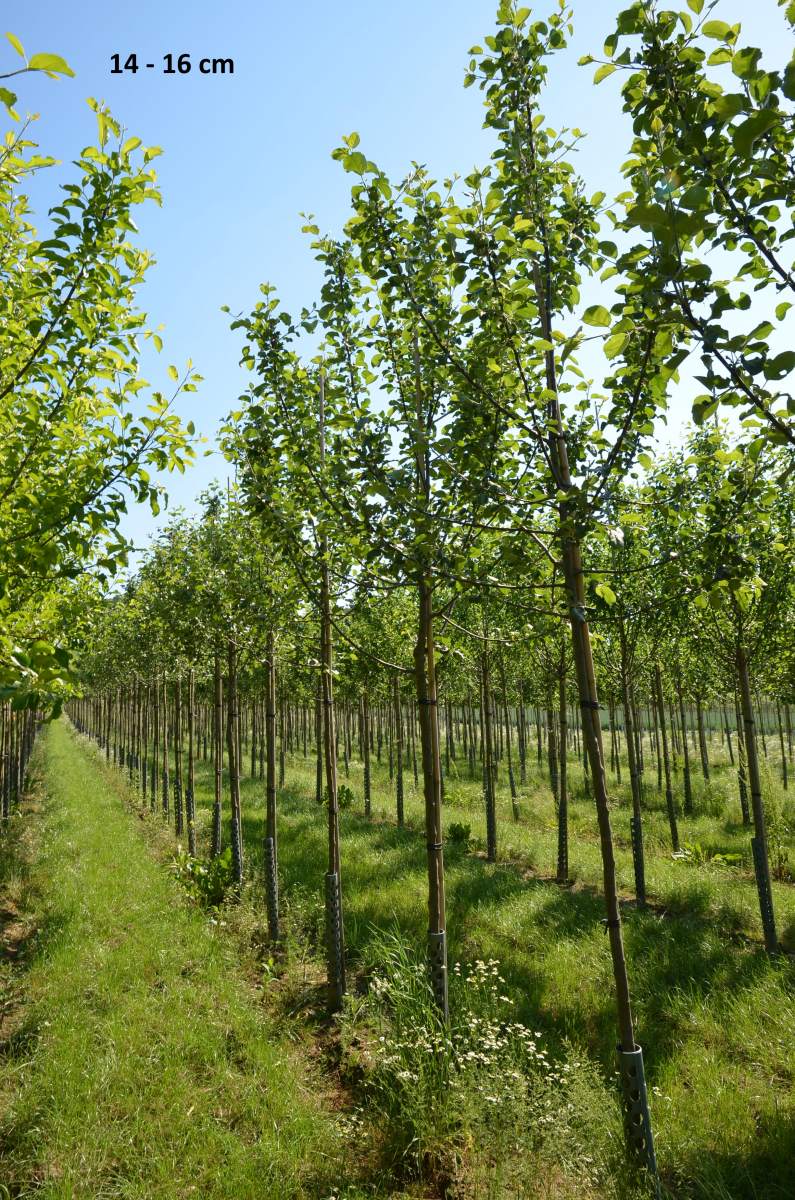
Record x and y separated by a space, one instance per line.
552 751
508 752
669 795
742 763
166 796
587 692
728 734
522 731
489 765
688 806
155 747
218 755
179 816
335 936
425 679
563 793
271 848
759 842
702 738
399 799
366 754
190 792
233 752
636 825
784 778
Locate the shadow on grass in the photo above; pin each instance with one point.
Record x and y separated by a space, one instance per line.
763 1172
550 939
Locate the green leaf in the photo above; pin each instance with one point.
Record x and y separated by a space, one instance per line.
703 408
748 134
603 72
727 107
51 63
695 197
716 29
781 365
9 99
598 315
695 6
788 79
173 372
606 593
745 63
15 42
615 344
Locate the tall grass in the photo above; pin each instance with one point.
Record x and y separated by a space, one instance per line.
479 1103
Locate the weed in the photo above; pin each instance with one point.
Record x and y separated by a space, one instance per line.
694 852
459 836
207 881
475 1096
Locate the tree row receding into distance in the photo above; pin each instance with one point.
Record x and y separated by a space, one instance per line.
453 538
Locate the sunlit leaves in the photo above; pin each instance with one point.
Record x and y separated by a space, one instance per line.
597 315
77 441
52 64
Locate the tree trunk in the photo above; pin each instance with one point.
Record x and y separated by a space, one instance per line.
688 805
669 795
366 753
489 764
702 738
218 755
233 752
636 825
335 936
563 793
271 847
190 793
784 778
398 750
759 843
425 680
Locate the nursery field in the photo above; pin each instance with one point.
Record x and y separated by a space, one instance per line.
413 812
716 1013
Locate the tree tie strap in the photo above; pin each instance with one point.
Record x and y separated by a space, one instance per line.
590 704
426 701
611 923
435 845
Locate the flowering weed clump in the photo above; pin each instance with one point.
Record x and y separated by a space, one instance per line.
474 1099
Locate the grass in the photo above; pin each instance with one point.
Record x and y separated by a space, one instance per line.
136 1060
714 1013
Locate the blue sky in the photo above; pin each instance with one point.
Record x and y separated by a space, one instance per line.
244 154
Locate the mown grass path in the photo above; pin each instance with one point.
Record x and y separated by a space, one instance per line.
135 1060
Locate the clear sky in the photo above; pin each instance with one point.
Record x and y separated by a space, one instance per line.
245 153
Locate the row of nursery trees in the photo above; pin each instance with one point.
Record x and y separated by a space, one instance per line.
220 651
81 432
422 457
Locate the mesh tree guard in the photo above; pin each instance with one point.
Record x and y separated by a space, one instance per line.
272 888
437 961
636 1111
336 966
